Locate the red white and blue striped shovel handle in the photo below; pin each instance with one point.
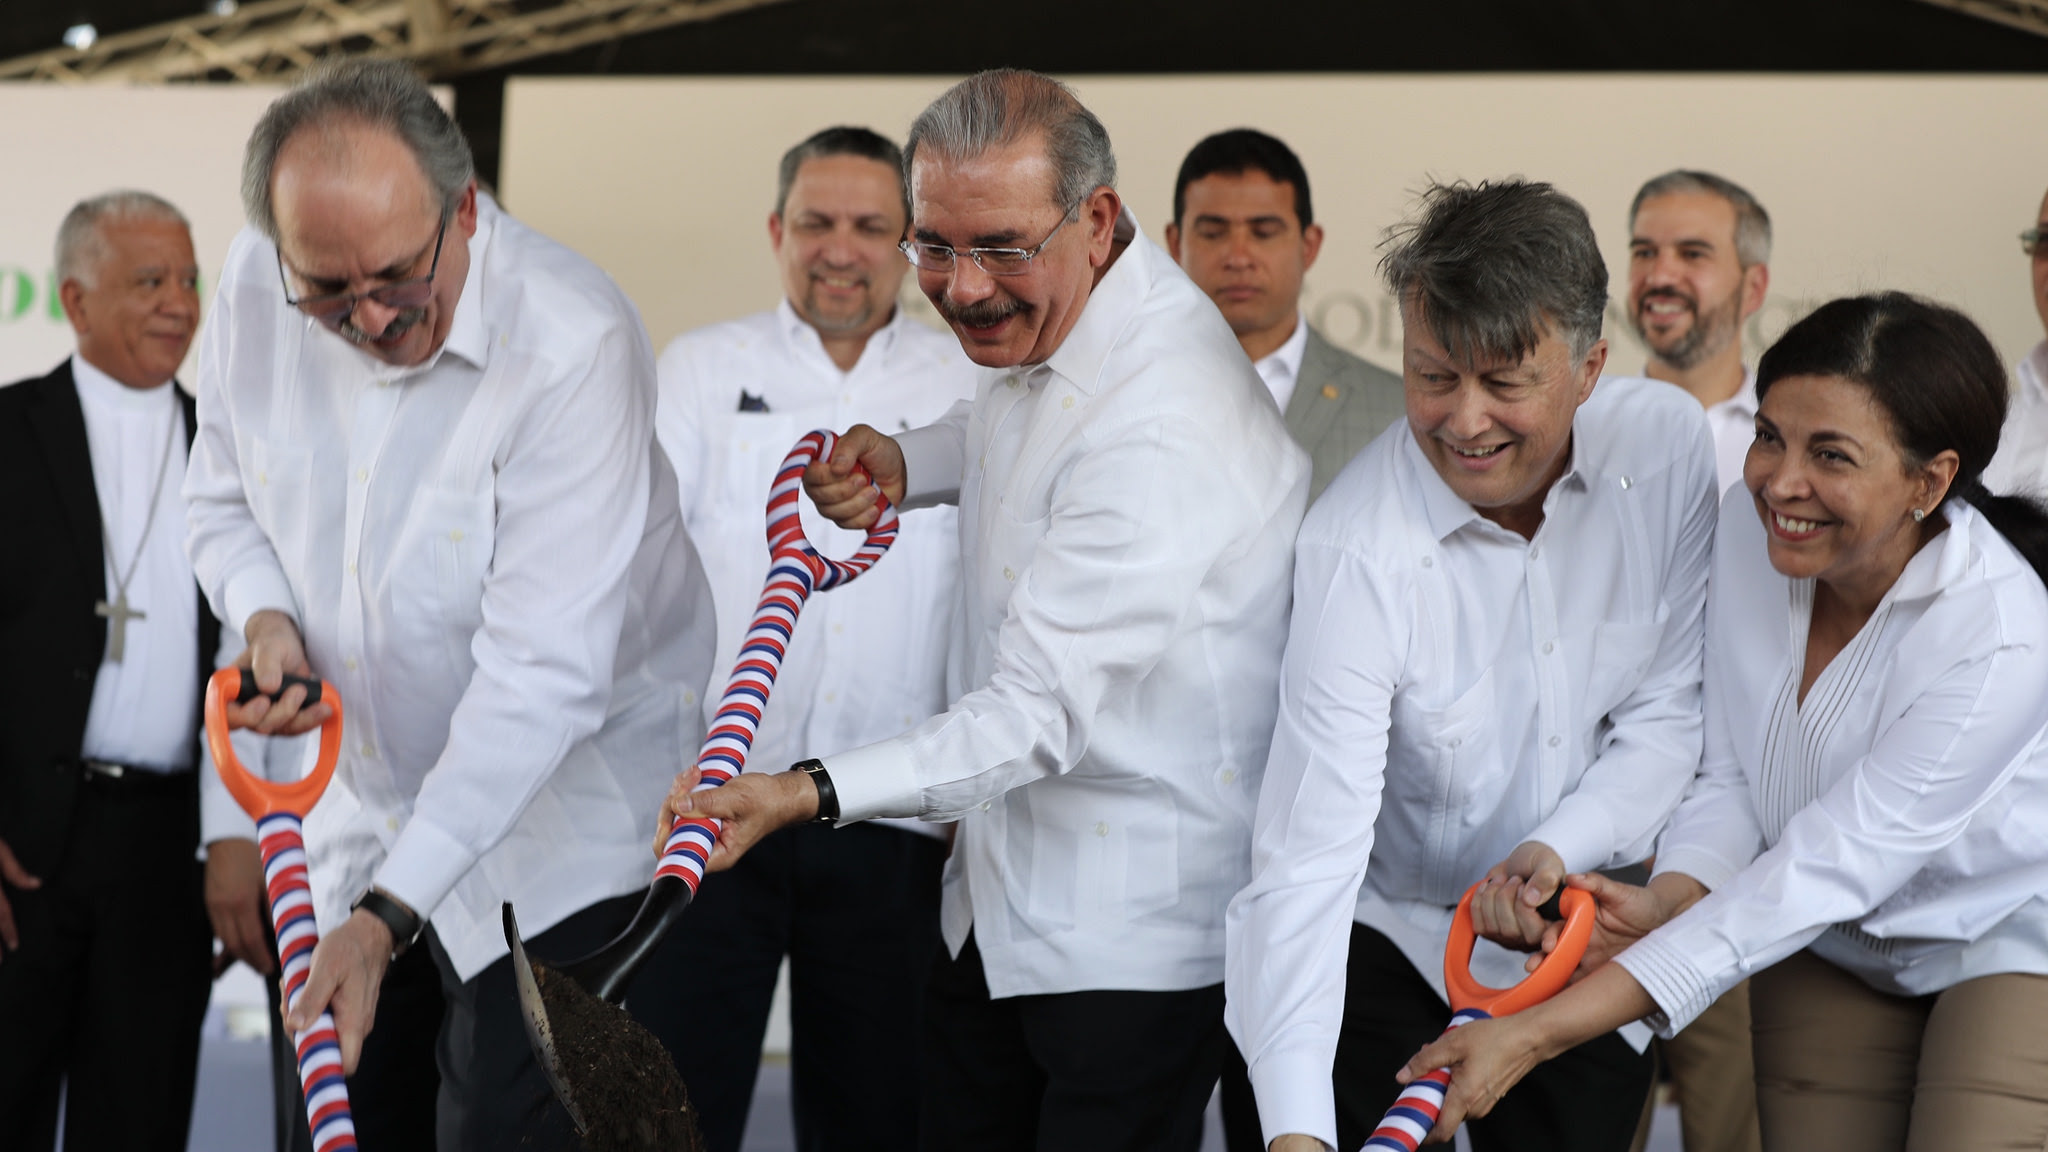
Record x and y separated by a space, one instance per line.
795 571
279 809
1416 1109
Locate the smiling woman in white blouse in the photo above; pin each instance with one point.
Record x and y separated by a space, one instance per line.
1868 833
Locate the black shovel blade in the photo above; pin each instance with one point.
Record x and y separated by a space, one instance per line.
534 1012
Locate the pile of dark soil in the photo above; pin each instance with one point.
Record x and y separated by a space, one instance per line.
618 1075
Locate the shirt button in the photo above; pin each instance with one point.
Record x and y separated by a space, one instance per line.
370 750
1008 574
362 475
1456 740
351 567
689 697
263 478
1067 402
1627 483
383 383
1102 829
1229 775
391 822
349 664
1429 562
1547 647
1535 551
831 696
838 629
1555 741
456 535
984 805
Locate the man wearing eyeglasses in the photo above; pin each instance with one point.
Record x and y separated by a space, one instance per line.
426 472
856 910
1128 497
2022 461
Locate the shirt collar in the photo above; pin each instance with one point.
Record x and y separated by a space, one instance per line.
469 335
1287 357
1447 512
1109 308
1940 562
103 391
2034 369
799 334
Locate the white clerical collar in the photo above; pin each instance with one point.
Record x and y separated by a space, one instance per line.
108 394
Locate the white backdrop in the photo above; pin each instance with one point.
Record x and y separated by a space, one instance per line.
1873 182
59 145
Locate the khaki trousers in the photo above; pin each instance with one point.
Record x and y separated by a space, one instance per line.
1714 1079
1842 1066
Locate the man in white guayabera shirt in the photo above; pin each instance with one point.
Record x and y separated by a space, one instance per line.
1127 498
856 910
426 471
2022 461
1493 674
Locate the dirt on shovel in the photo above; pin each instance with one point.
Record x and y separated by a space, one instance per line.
620 1077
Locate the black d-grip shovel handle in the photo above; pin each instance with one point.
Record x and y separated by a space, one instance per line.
249 691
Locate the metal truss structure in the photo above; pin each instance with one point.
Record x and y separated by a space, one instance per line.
2025 15
274 40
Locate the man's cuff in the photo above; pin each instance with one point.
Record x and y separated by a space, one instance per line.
424 865
878 780
1579 832
931 468
255 588
1294 1095
220 818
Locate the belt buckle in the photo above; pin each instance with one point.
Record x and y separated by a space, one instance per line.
105 768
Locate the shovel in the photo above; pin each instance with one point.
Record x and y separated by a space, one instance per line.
795 571
279 811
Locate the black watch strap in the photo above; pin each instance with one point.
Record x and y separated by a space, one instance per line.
405 926
828 797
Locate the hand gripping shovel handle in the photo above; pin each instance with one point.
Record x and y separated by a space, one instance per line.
279 810
1415 1111
795 571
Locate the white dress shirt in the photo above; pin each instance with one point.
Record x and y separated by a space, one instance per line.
484 555
141 713
1281 367
2022 461
1126 511
1901 809
1733 423
1452 690
868 660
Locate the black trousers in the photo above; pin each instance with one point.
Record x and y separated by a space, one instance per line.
856 910
393 1095
1074 1072
1587 1100
110 985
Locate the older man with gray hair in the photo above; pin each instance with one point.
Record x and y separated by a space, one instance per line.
103 644
426 471
1127 498
1493 675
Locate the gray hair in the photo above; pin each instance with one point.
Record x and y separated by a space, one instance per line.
1752 223
995 109
81 241
382 94
1493 267
843 140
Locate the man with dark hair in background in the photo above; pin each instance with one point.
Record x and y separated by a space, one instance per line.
105 642
1244 231
856 910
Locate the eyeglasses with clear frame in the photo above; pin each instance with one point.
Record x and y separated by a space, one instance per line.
336 307
2034 242
994 261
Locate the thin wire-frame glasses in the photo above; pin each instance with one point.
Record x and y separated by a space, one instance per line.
994 261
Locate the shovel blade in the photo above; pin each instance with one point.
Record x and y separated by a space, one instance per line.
534 1012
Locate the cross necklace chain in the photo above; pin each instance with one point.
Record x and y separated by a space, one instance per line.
119 613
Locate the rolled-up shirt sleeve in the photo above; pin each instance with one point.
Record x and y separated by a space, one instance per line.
572 485
1289 931
933 459
1128 543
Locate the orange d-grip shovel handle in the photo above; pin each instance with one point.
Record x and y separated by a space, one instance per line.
259 797
1550 977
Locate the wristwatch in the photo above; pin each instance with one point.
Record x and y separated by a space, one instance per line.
828 797
405 926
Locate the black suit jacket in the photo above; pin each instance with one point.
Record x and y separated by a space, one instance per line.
52 572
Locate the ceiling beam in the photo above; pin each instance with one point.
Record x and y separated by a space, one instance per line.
274 40
2025 15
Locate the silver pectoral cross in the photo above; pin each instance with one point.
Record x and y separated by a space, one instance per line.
118 615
